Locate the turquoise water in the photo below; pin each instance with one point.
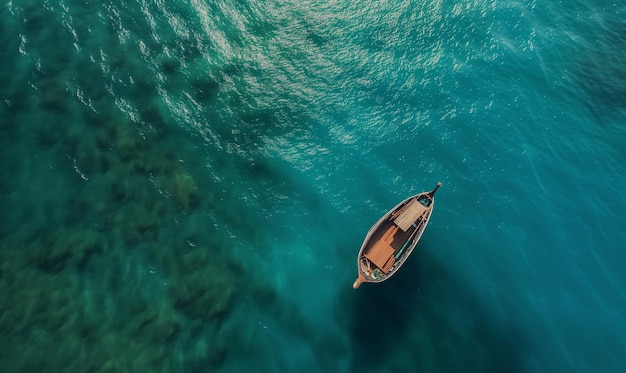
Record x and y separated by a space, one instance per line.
185 185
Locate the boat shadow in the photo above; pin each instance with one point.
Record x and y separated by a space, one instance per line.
426 319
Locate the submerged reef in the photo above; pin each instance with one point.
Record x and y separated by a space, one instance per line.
118 242
97 272
122 265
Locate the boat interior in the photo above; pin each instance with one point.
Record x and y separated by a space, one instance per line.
391 238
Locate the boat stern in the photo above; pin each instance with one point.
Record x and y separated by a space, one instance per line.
359 280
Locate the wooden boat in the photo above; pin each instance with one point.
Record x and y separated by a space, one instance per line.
391 240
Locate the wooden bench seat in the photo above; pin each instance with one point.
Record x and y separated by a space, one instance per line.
382 253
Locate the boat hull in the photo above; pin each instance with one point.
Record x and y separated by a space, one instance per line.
392 239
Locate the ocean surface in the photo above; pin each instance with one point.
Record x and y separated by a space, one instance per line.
185 185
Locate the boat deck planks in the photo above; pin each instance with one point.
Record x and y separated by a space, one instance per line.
410 213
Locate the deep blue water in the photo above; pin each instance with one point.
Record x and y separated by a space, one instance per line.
185 185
